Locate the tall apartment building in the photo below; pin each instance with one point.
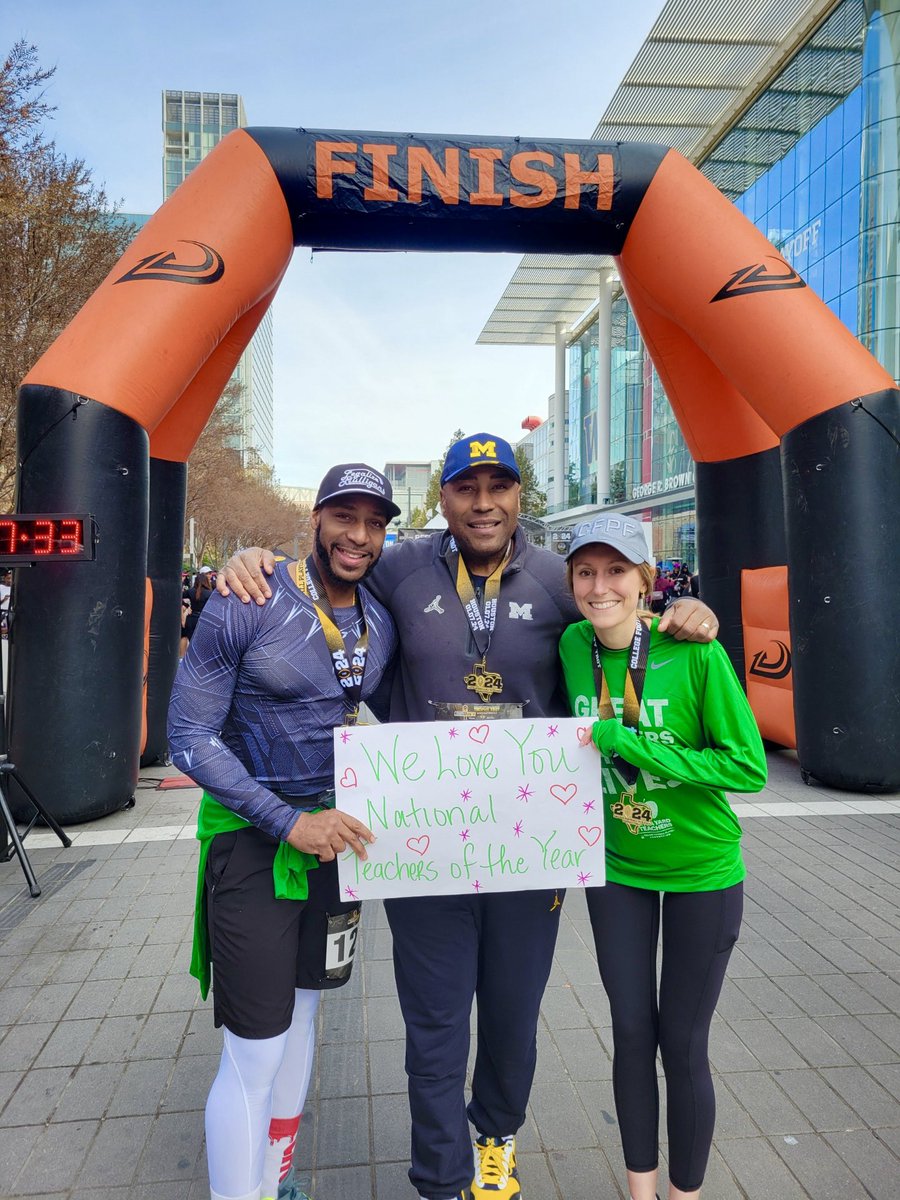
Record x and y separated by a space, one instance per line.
193 122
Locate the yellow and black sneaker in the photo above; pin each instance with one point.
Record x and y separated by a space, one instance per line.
496 1177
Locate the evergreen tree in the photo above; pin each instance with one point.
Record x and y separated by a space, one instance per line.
533 500
433 493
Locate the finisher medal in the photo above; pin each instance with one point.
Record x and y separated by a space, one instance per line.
349 665
482 682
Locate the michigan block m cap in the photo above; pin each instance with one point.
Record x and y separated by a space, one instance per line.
622 533
357 479
479 450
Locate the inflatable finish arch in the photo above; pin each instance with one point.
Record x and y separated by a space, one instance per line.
764 380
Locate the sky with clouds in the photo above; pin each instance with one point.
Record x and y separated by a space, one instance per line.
375 354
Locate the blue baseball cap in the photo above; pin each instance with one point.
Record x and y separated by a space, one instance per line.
479 450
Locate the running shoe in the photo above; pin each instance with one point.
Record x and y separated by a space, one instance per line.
289 1189
496 1177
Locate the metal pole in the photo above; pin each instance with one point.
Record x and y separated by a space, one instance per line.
560 455
604 373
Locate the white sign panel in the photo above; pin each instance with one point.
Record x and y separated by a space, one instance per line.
470 808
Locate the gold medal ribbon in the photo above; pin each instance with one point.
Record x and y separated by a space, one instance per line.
483 682
480 621
634 689
349 669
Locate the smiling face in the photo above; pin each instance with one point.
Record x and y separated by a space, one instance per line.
482 509
349 536
607 590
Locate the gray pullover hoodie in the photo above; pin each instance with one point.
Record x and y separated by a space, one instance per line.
414 582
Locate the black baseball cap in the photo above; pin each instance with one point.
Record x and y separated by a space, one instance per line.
356 479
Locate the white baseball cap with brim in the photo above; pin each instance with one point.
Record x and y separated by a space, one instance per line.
624 534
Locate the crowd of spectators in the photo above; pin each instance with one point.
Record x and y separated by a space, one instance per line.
194 594
671 583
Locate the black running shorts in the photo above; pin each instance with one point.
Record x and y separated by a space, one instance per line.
263 948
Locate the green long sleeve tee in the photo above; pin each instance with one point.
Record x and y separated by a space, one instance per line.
696 738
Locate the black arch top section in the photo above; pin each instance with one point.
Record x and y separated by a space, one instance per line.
403 191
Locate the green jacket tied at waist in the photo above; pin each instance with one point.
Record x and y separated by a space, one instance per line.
288 873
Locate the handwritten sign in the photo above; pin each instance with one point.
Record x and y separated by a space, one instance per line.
469 808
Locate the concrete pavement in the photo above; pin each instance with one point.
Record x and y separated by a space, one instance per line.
106 1052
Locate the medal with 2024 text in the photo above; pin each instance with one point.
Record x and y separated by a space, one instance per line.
482 682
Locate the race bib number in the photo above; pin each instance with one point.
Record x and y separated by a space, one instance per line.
340 943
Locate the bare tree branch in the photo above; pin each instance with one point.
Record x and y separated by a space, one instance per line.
58 238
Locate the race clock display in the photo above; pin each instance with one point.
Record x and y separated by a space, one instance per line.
46 537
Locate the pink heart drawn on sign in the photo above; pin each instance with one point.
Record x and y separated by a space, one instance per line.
590 834
478 733
348 779
563 792
582 729
419 845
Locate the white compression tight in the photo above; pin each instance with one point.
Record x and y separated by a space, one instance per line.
289 1091
256 1077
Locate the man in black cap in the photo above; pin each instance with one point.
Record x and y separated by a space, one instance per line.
480 613
253 709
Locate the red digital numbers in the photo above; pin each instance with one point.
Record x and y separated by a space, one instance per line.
42 538
26 538
71 536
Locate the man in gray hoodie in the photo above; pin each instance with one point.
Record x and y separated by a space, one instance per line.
479 613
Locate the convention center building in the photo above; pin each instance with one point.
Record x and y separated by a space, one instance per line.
791 108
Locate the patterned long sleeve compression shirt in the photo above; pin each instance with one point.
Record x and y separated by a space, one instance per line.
255 699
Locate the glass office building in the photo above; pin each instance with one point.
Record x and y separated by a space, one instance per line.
790 108
193 123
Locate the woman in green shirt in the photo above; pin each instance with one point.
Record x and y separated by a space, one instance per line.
674 731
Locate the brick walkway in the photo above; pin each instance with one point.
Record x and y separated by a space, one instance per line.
106 1053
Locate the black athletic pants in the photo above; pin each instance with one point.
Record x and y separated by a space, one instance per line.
497 948
699 930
